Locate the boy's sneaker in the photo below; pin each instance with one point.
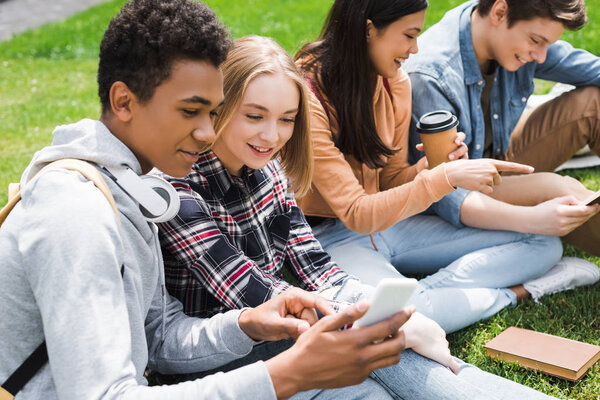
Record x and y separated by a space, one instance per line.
569 273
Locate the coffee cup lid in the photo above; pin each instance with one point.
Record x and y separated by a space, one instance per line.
436 121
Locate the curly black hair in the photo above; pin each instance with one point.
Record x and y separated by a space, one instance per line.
146 37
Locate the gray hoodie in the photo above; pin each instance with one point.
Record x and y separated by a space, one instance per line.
62 251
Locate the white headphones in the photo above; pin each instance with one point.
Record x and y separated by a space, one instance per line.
158 200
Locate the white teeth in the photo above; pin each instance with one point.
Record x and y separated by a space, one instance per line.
261 149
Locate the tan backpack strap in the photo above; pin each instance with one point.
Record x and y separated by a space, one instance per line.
13 189
84 168
12 201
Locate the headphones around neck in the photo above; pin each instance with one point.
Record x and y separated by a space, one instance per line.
158 200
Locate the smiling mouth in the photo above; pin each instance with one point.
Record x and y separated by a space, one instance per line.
520 60
261 150
399 60
191 155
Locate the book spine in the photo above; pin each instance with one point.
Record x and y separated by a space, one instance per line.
536 365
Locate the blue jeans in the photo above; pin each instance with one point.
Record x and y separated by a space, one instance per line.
418 378
369 389
414 377
469 269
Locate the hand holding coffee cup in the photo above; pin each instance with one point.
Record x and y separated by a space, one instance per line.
439 136
440 139
461 152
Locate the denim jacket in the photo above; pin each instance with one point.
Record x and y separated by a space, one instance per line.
445 75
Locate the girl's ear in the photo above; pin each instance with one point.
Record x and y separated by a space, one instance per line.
121 101
370 30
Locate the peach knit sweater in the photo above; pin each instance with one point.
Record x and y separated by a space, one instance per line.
369 200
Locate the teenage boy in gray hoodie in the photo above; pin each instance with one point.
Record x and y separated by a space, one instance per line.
92 287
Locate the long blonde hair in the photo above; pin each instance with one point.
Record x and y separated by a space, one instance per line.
250 57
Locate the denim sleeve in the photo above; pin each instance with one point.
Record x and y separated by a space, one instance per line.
566 64
449 206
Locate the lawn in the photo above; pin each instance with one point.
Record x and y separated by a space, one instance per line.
47 76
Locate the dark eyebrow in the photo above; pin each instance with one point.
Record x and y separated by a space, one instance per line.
541 37
415 29
197 99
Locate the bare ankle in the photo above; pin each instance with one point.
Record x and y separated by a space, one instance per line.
520 291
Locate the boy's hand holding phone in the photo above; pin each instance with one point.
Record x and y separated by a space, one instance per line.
422 335
325 356
592 199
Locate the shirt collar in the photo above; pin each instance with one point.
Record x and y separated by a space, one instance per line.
220 180
467 52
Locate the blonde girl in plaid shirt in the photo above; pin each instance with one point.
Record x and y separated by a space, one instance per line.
239 225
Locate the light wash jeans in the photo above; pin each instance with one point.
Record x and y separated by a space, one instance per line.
418 378
414 377
369 389
470 268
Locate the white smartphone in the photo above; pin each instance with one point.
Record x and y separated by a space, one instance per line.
389 298
593 199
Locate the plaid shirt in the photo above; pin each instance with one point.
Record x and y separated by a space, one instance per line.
232 237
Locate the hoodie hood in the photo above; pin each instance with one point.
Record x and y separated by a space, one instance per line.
88 140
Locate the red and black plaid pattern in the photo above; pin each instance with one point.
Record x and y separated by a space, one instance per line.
233 236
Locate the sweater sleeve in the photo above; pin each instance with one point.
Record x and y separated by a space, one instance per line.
181 344
72 254
359 211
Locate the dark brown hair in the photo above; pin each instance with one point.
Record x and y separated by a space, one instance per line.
344 73
570 13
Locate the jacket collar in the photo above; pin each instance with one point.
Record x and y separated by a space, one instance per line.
471 69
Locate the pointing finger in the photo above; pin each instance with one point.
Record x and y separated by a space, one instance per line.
512 167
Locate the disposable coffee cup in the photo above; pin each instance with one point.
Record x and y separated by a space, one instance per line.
438 133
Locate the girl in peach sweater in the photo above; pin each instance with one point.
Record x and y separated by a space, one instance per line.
365 199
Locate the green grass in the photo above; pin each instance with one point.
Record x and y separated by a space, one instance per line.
47 77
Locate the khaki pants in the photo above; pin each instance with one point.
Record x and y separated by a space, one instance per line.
550 135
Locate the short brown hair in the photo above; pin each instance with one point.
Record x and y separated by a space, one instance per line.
570 13
253 56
